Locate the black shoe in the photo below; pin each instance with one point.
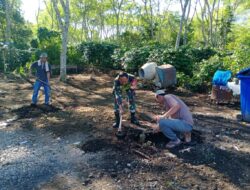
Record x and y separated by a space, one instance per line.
134 120
33 105
117 120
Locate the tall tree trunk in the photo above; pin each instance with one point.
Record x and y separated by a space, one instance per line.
186 25
210 12
202 21
37 14
63 56
184 8
51 13
8 12
117 25
151 19
8 16
84 28
101 21
149 16
63 21
116 6
216 24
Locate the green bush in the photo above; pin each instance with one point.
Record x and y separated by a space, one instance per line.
16 58
118 58
156 55
136 57
185 57
49 42
97 54
239 48
203 74
73 56
181 59
183 80
130 39
199 54
239 60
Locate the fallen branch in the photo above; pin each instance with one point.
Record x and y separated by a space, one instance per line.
138 128
141 154
127 124
153 148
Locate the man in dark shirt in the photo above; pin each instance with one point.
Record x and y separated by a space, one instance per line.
124 84
43 72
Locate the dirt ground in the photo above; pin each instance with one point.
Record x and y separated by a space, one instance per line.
72 144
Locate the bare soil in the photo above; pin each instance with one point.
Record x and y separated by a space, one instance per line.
72 145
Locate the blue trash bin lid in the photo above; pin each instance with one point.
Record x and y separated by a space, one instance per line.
244 73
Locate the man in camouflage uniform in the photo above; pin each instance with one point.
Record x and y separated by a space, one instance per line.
124 84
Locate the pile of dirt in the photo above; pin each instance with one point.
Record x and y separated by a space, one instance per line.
96 145
34 111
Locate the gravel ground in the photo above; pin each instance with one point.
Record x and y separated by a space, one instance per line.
29 158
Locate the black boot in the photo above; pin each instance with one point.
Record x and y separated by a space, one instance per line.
117 120
134 120
33 105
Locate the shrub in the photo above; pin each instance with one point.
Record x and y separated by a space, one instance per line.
239 60
180 59
185 57
49 42
199 54
130 39
16 58
97 54
156 55
135 58
183 80
118 58
203 74
73 56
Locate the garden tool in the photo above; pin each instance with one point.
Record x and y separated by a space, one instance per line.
120 134
51 88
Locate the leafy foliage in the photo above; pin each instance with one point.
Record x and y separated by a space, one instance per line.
135 58
49 42
127 35
97 54
202 75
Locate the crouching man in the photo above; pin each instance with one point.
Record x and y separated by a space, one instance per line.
177 118
126 84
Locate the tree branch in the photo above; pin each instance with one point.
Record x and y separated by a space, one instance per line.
58 15
63 5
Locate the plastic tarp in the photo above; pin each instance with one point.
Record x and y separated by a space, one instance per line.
221 78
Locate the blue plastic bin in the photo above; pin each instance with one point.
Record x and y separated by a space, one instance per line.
244 76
